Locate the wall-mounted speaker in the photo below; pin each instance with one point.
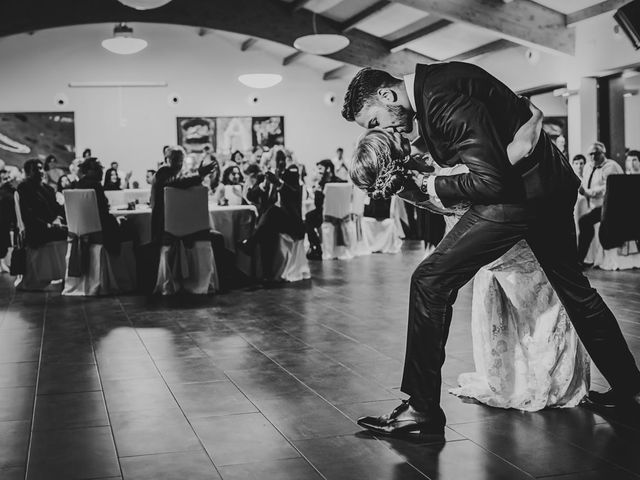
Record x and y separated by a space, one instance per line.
61 100
173 99
330 99
628 17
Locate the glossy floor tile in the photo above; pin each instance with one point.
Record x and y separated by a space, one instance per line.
267 384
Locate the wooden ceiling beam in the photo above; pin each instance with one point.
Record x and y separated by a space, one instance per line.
524 22
597 9
364 14
296 5
498 45
261 19
289 59
335 73
410 37
248 43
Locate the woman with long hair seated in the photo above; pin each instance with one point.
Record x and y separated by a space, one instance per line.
112 180
526 351
230 190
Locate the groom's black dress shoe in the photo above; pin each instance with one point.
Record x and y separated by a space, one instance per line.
612 398
405 421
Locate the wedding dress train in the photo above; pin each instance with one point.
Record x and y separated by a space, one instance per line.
527 353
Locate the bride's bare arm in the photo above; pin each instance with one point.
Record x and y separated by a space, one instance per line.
527 136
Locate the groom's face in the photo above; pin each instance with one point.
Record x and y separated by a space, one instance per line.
386 110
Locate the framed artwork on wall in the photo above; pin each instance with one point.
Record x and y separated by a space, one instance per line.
26 135
197 134
268 131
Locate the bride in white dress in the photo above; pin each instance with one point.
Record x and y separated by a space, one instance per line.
527 353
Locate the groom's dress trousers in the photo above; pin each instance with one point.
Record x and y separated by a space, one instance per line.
467 116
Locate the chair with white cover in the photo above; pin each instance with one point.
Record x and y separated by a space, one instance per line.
91 269
382 235
338 229
617 236
186 257
291 264
358 201
44 264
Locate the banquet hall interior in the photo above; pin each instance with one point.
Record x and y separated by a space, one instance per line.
191 286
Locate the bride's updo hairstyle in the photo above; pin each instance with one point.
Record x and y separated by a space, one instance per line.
377 166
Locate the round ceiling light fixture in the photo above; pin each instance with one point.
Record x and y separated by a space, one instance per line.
320 43
123 42
260 80
144 4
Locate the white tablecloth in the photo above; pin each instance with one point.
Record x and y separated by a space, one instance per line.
235 223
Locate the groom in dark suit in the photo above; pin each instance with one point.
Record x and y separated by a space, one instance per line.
467 116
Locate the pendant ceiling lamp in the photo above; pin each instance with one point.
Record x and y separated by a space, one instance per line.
144 4
260 80
123 42
320 43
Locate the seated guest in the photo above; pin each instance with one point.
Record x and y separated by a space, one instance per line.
52 172
86 153
149 176
594 183
113 232
63 184
230 191
124 177
43 217
170 175
340 166
313 219
272 220
112 180
577 163
7 215
632 162
237 157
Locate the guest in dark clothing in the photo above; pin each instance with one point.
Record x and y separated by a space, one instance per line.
313 219
64 182
113 232
111 179
43 217
7 212
273 219
170 175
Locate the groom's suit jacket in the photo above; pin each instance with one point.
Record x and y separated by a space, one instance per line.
467 116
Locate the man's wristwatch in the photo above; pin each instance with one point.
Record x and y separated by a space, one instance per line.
423 184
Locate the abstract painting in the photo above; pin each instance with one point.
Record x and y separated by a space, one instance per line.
37 135
234 133
268 131
197 134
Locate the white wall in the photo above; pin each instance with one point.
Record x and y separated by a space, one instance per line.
131 125
632 114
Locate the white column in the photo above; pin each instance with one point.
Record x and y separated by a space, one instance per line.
583 116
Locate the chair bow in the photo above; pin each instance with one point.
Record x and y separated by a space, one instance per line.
79 256
178 250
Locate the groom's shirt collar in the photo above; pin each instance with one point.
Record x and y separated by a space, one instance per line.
408 84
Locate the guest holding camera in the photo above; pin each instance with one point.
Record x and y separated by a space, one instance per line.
273 219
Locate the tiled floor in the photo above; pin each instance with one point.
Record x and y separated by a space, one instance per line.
266 384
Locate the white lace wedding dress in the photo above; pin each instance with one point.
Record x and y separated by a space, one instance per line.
526 352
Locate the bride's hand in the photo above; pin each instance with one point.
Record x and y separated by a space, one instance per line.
527 136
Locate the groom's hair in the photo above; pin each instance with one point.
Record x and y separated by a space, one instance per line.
362 89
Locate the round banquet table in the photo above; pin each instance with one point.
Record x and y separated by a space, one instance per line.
235 223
